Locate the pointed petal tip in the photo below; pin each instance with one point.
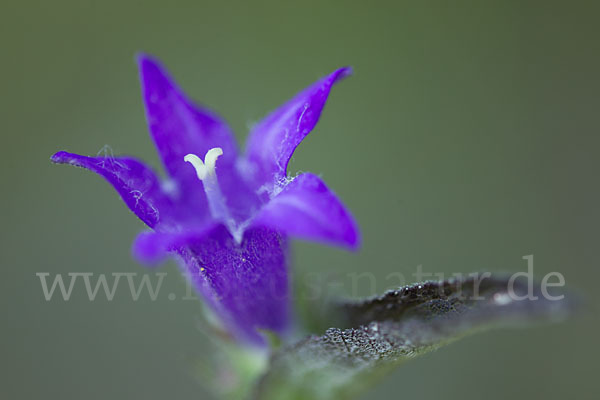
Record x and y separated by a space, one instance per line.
338 75
146 250
355 241
64 157
352 240
343 72
144 60
58 157
153 74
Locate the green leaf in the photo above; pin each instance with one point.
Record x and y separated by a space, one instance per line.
376 335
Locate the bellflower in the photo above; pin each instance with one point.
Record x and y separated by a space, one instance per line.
227 216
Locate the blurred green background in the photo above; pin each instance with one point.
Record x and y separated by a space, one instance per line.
467 138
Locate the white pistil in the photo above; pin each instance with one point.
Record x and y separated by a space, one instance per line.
206 172
207 168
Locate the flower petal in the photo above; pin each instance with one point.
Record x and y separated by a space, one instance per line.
245 284
135 182
152 247
179 127
308 209
273 141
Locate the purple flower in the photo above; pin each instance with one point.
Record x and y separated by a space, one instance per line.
226 215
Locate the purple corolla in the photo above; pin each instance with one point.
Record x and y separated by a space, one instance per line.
227 216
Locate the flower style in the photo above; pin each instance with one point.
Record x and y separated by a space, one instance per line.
227 216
